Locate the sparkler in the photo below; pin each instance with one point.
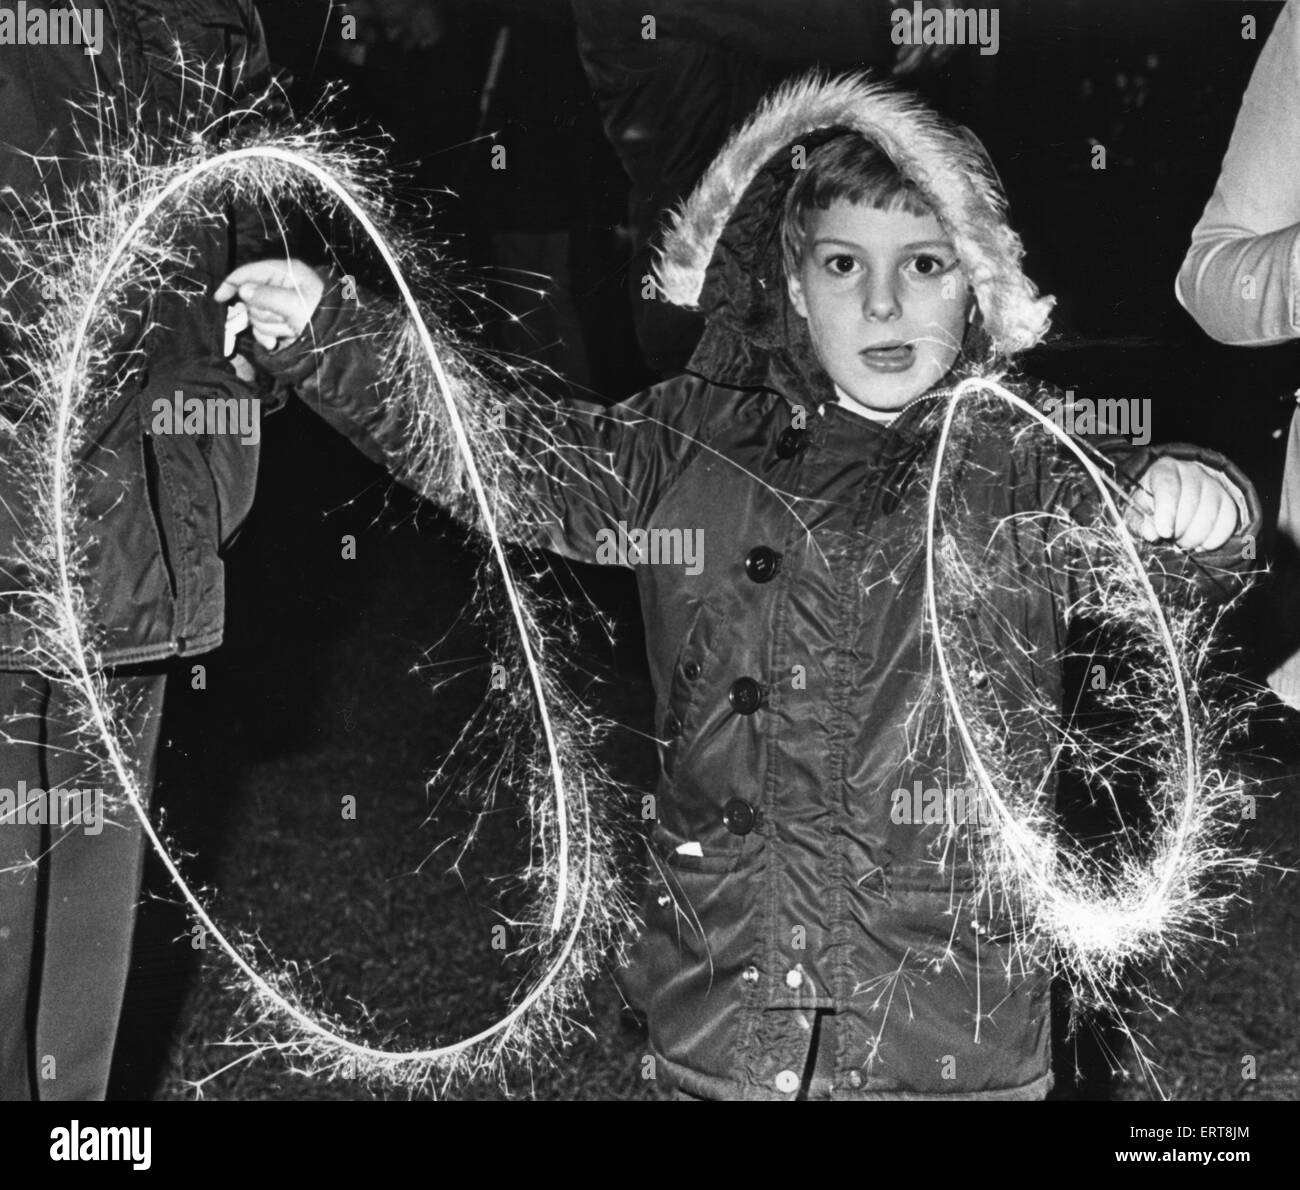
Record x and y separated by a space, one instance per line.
116 237
1094 919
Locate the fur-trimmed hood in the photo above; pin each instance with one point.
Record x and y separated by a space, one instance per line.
721 251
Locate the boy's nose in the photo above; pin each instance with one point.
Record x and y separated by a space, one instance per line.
881 300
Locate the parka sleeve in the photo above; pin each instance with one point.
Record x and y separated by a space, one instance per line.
560 477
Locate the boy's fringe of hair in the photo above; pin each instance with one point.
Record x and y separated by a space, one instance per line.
947 167
847 168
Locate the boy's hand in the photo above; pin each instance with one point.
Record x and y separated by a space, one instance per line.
281 296
1190 505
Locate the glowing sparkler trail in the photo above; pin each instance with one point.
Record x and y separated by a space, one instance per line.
69 617
1096 929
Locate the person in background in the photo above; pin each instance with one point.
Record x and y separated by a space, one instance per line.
158 508
1240 278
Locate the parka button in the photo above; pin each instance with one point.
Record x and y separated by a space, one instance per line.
738 816
745 696
750 974
762 564
791 442
787 1082
855 1078
691 670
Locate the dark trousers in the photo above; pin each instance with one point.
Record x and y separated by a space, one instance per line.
68 892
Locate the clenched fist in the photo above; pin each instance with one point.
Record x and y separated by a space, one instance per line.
1185 503
280 295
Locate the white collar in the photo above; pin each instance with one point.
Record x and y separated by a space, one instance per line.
884 417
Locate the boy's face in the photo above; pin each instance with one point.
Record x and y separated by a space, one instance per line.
884 298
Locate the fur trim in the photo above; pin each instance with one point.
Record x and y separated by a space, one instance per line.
947 167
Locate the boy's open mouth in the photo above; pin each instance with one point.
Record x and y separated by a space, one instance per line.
895 356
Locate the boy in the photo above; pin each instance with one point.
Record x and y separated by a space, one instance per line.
849 252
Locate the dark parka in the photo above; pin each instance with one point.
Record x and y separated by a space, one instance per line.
789 670
158 509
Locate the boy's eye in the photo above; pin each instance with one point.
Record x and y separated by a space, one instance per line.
928 265
841 264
